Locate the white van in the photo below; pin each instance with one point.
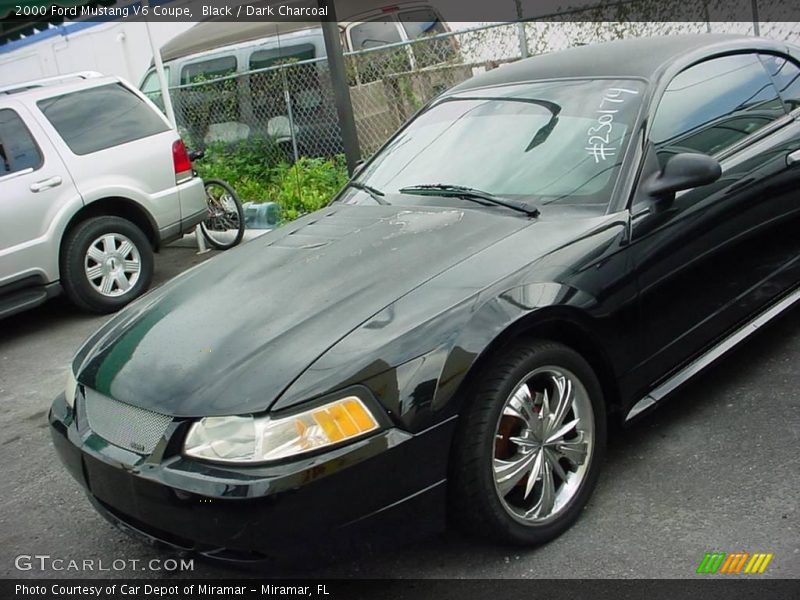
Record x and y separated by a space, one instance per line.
257 103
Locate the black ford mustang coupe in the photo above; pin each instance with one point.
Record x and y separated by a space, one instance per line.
543 248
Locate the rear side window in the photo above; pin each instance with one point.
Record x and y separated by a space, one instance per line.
786 76
712 105
101 117
425 23
422 22
302 80
372 34
208 69
18 150
262 59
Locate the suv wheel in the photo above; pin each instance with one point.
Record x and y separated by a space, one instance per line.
529 446
106 263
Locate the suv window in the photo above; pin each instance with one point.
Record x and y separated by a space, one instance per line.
101 117
786 76
711 106
18 150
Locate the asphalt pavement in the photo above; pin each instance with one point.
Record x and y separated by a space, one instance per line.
716 469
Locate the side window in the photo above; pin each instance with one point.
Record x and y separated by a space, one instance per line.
151 87
302 80
262 59
101 117
375 65
18 150
786 76
424 22
711 106
421 22
208 69
372 34
214 102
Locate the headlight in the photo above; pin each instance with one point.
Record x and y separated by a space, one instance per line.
71 388
249 439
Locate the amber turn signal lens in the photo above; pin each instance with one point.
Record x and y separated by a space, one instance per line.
249 439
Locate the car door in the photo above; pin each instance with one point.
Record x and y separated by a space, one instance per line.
719 253
35 187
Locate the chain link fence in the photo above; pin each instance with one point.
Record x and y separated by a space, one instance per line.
283 113
287 108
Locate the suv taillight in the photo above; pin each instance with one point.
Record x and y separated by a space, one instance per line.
180 159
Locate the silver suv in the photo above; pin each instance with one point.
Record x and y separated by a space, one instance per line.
93 180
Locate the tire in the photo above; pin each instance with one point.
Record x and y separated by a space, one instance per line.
86 252
485 496
216 228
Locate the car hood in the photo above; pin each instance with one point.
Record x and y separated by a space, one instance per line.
229 336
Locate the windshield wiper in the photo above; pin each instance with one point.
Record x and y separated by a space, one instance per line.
376 194
468 193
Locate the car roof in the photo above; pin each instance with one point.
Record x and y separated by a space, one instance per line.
636 57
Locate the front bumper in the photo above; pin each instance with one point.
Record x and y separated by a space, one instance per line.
389 482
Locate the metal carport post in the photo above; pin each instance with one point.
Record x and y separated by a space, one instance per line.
162 77
341 89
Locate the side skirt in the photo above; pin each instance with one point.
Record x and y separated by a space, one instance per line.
711 355
23 298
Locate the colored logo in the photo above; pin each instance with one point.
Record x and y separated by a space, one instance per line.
734 563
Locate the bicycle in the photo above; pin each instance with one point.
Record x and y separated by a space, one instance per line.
224 227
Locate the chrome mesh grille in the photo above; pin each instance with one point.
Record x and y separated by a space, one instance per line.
129 427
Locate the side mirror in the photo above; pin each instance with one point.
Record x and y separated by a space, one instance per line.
682 172
357 168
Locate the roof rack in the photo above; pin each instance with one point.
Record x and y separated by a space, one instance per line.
36 83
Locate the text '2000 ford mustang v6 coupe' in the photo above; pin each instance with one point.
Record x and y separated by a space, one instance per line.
543 248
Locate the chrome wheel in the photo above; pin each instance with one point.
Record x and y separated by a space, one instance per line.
543 445
112 264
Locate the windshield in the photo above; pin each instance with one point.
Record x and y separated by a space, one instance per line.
555 141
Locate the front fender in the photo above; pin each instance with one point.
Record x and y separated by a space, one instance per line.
504 316
416 353
421 389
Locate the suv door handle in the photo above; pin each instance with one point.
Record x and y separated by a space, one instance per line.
46 184
793 158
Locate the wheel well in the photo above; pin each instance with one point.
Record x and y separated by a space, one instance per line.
117 207
562 329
